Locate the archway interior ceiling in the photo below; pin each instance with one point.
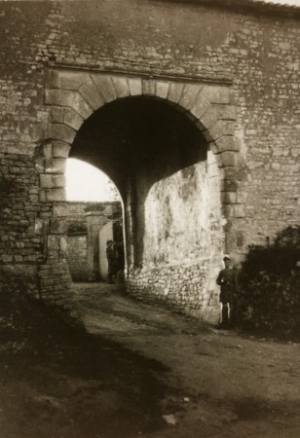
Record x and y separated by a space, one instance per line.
139 136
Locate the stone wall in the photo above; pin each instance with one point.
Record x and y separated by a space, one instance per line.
253 52
77 249
77 257
183 240
20 244
84 221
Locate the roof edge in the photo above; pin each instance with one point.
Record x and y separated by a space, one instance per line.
257 7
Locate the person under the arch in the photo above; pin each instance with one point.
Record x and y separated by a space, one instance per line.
112 261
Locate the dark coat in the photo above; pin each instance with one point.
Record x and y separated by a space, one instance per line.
227 280
112 260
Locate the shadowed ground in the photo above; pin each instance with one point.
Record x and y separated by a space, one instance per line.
142 371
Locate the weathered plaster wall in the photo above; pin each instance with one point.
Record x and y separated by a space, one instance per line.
183 240
258 52
180 213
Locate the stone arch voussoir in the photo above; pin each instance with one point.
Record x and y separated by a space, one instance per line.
51 164
74 96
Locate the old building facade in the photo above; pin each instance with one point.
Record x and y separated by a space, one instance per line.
191 108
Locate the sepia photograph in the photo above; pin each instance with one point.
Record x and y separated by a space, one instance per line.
149 218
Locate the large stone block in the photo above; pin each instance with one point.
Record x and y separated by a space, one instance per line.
65 79
135 86
228 210
47 150
36 132
162 89
175 91
42 195
63 245
105 86
227 112
241 197
91 94
56 195
226 143
209 117
189 95
59 181
121 86
149 87
217 94
56 97
228 159
55 165
220 128
239 211
46 181
70 99
57 114
60 149
72 119
62 132
201 104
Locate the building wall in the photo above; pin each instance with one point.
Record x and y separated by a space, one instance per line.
183 241
84 221
77 257
255 51
77 248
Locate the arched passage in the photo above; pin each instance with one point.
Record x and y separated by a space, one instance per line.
94 216
139 142
169 149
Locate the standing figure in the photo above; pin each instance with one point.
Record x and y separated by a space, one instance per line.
227 280
112 262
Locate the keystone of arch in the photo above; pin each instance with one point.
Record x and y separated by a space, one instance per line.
207 105
74 96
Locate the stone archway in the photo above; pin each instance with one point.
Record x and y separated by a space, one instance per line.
75 95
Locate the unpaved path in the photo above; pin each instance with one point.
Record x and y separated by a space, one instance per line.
226 385
143 371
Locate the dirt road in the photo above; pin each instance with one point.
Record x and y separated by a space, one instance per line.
226 385
143 371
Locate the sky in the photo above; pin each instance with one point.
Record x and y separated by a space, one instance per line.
284 2
85 182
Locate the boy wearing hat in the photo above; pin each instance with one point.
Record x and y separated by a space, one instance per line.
227 281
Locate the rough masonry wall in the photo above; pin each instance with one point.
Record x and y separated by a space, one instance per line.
258 53
266 54
183 241
19 244
25 222
77 250
77 257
